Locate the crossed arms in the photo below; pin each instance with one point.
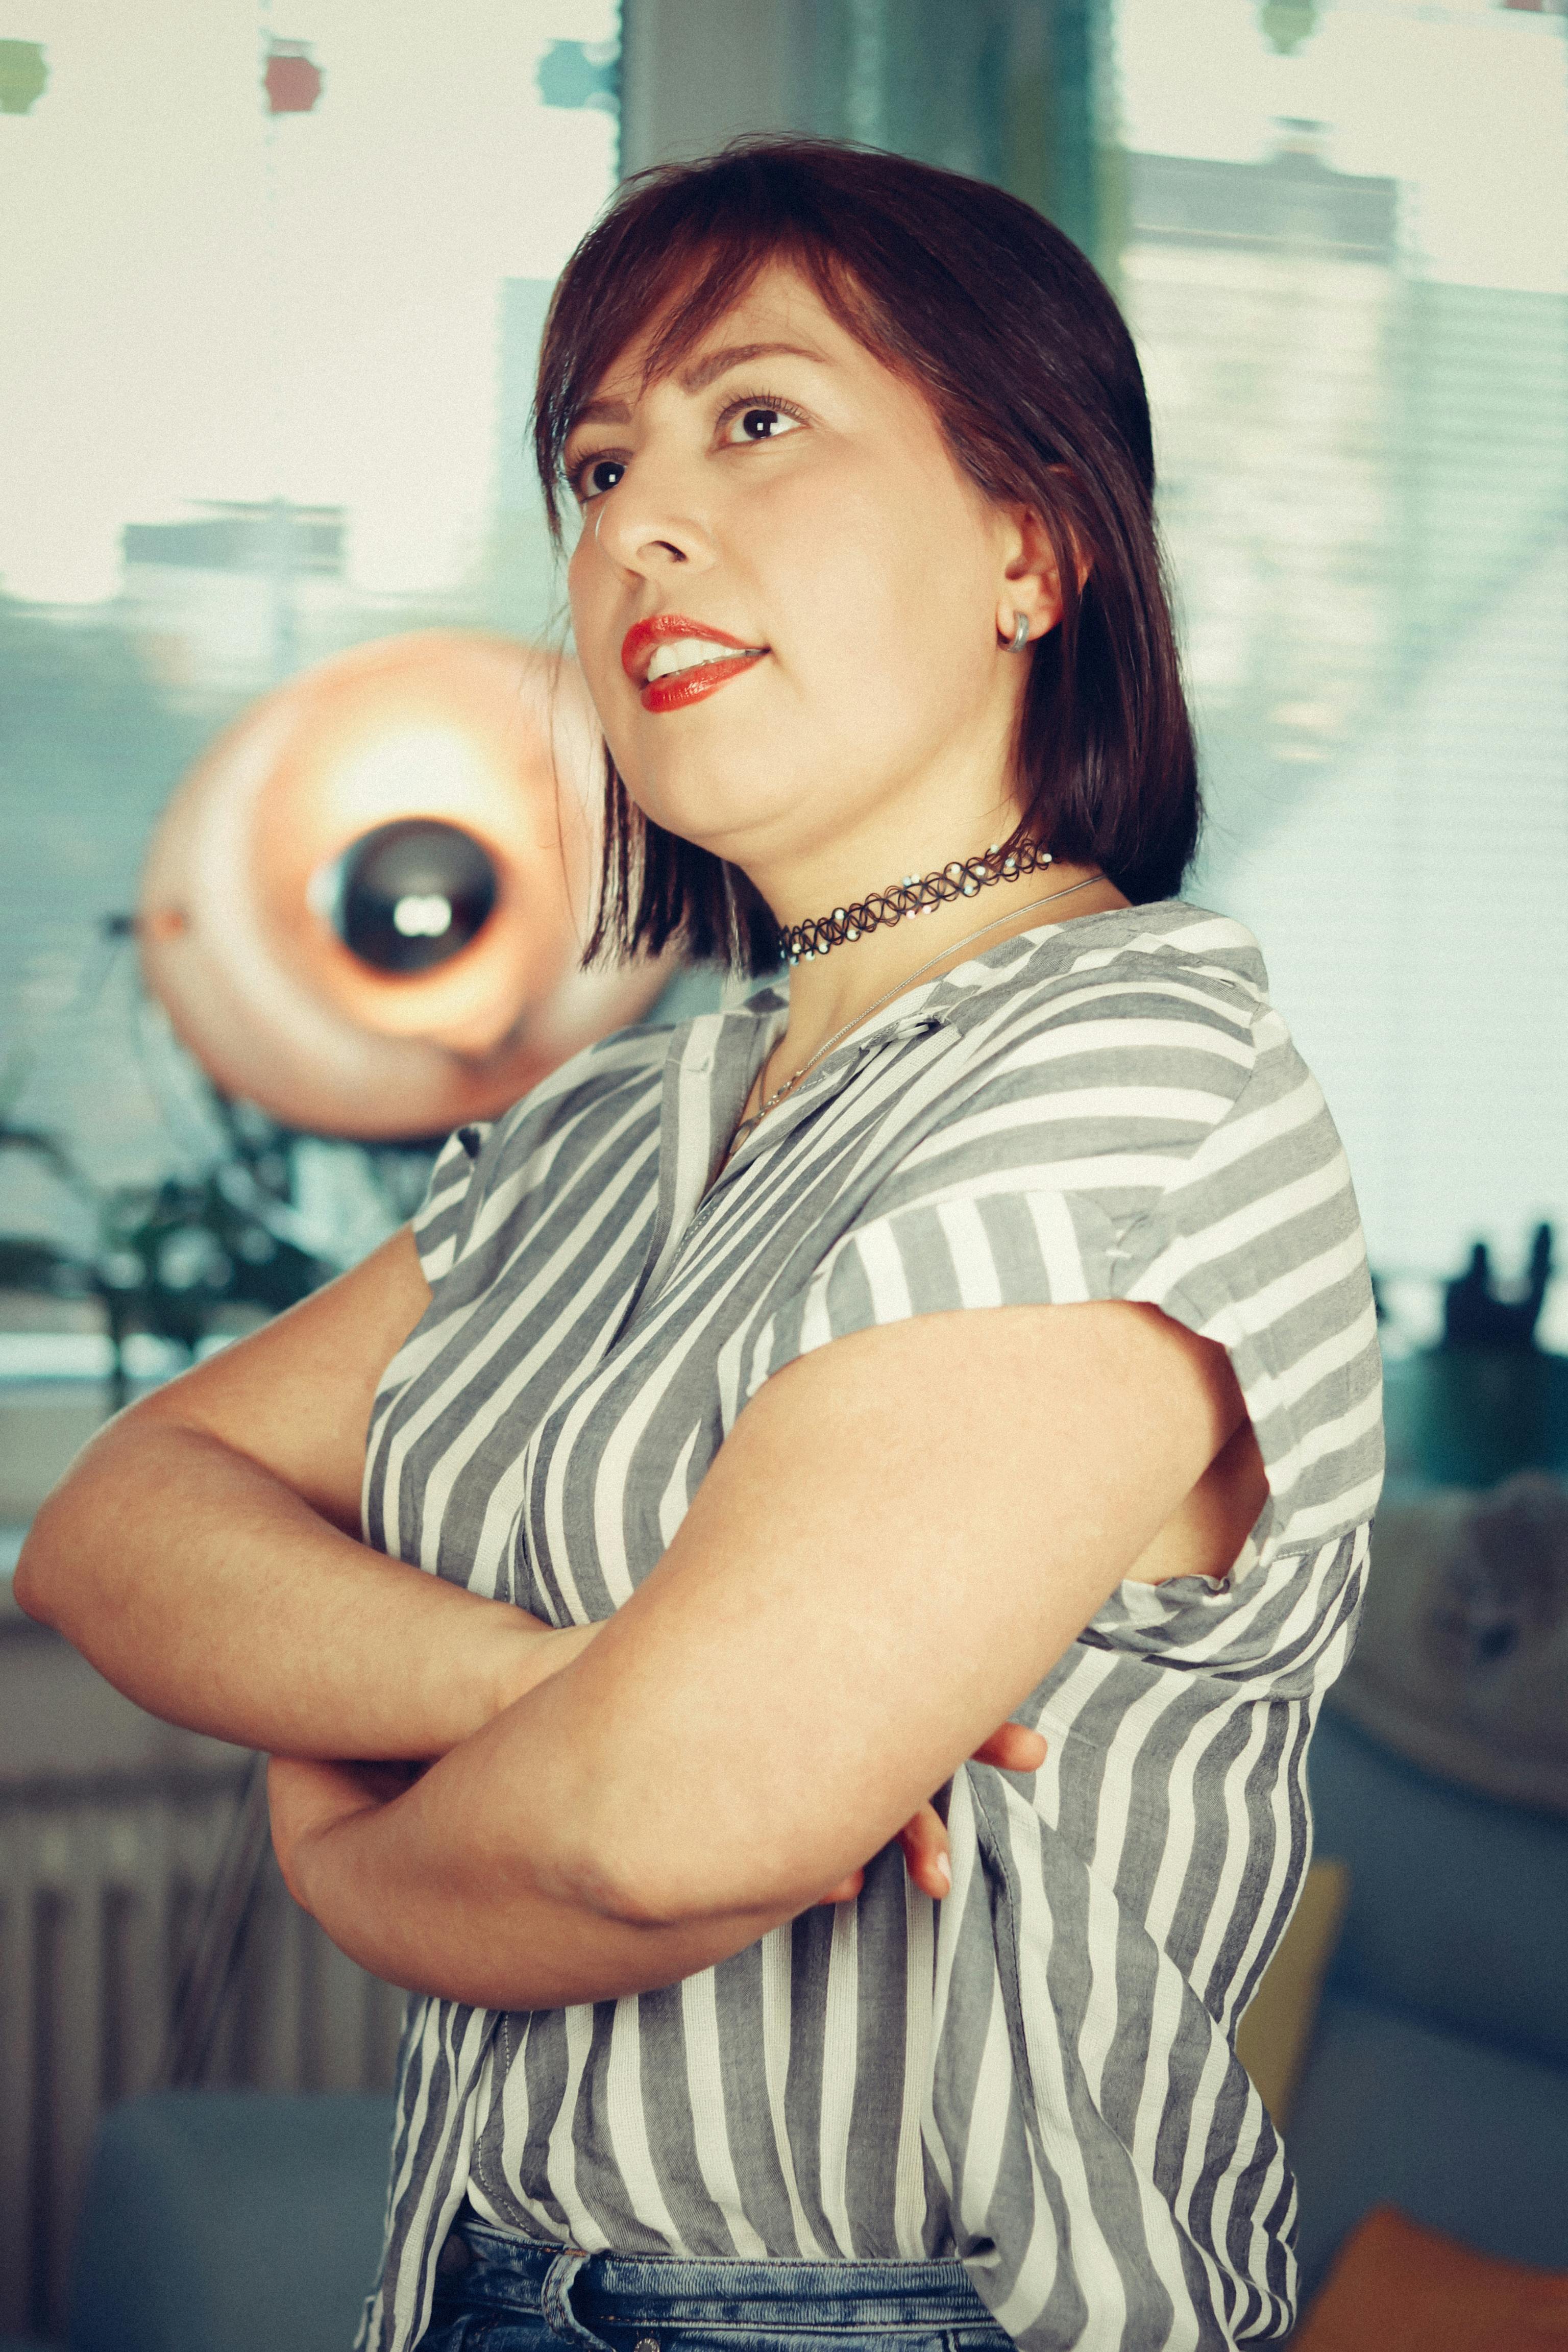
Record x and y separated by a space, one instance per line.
902 1534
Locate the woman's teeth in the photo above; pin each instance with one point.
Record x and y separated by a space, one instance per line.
690 653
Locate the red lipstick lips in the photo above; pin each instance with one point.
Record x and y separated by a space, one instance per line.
675 691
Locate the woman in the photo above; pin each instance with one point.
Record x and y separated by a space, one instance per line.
746 1526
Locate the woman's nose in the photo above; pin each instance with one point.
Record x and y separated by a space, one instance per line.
647 524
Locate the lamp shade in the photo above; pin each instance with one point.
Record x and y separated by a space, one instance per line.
363 908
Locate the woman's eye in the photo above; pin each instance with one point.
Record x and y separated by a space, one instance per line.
748 423
599 475
759 422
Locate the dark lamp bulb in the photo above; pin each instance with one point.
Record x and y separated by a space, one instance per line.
413 895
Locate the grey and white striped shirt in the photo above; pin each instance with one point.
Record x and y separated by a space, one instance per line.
1036 2075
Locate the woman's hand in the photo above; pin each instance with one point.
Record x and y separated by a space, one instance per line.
531 1656
924 1835
306 1799
309 1798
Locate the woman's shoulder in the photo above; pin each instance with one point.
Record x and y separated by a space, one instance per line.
1137 978
1131 1068
1149 1023
1138 1069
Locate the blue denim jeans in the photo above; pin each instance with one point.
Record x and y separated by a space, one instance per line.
501 2294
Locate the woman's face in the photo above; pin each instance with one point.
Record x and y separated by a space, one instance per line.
786 599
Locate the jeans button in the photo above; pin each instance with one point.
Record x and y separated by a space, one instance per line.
645 2344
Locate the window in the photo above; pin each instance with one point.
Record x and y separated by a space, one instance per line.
272 307
1343 251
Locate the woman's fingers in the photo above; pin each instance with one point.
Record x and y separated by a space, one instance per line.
847 1889
924 1839
924 1835
1013 1746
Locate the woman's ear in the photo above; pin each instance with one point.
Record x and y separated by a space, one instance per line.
1031 581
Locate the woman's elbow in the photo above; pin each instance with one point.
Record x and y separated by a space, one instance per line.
71 1566
27 1587
40 1580
665 1880
586 1865
55 1576
612 1834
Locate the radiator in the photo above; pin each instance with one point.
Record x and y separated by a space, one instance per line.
104 1890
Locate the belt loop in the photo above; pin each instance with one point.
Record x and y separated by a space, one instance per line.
555 2301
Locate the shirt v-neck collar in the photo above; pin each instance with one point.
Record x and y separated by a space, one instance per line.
713 1059
830 1076
760 1022
707 1077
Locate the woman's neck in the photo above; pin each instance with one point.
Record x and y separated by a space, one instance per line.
831 991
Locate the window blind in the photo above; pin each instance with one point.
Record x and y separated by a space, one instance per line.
1355 327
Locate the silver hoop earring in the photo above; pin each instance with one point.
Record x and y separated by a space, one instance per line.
1020 637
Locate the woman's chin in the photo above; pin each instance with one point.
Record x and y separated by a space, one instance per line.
726 806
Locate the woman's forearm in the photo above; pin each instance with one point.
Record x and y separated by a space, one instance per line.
212 1594
404 1889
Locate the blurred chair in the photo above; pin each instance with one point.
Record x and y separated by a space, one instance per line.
231 2222
1437 2083
1437 2079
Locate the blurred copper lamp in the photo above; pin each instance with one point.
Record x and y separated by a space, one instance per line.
364 907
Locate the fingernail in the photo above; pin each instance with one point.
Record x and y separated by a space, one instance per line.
944 1872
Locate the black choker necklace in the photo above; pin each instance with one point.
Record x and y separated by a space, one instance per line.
801 943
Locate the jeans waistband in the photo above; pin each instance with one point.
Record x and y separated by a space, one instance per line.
490 2268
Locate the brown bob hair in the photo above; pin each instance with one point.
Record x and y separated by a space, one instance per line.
996 316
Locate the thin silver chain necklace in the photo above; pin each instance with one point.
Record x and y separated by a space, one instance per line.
903 986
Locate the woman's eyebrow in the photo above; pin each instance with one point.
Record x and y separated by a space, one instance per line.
696 378
705 371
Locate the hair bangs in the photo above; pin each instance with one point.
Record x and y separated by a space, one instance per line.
669 268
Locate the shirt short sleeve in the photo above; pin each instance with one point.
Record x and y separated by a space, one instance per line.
1188 1162
1259 1247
